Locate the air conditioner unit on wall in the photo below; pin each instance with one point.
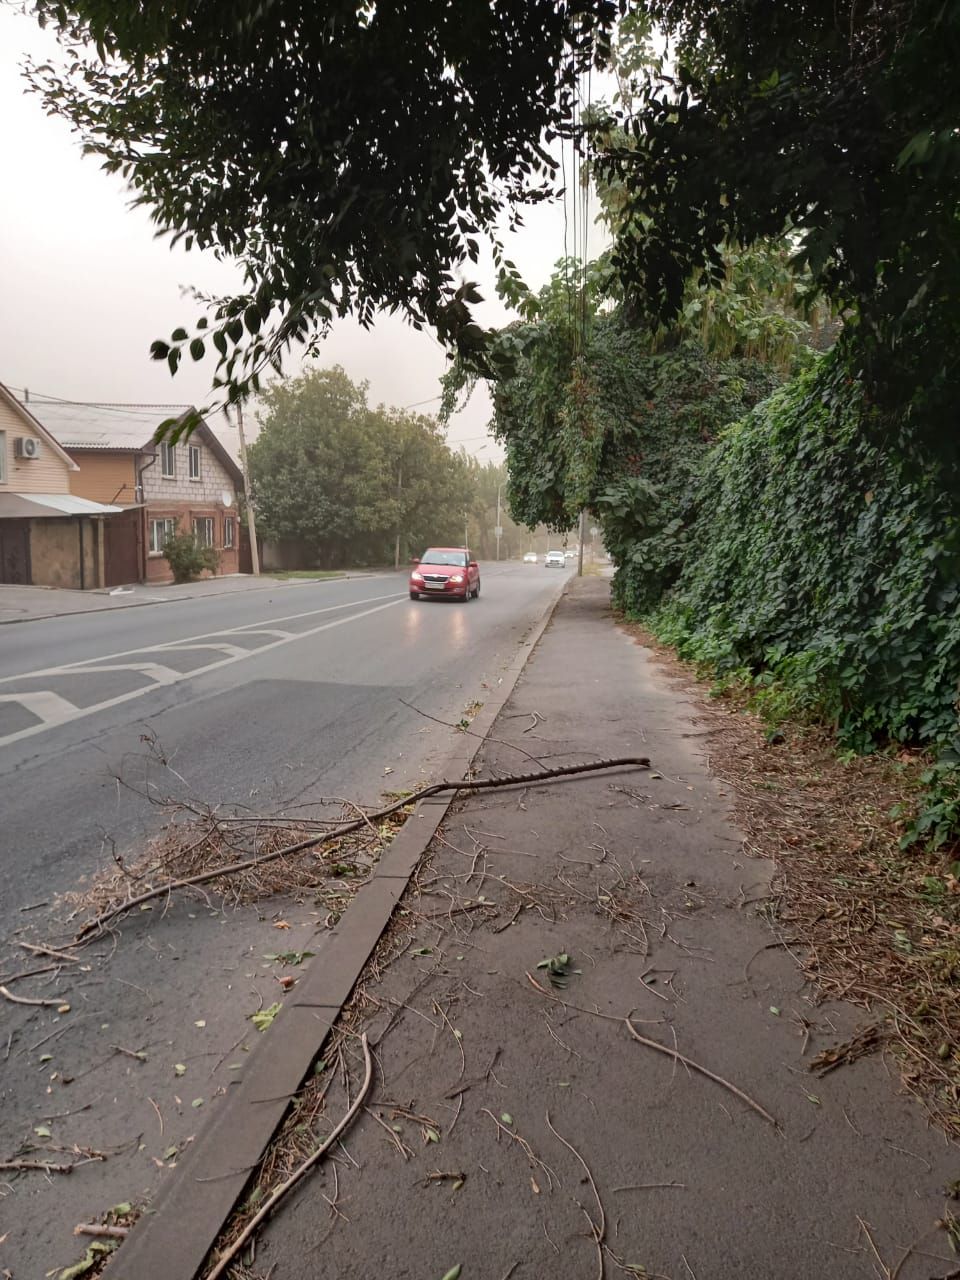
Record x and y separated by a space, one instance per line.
28 447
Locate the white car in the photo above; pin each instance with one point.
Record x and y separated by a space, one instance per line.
530 558
554 560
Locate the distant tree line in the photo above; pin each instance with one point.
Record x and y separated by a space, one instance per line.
350 484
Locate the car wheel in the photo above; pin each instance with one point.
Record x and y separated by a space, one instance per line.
476 594
414 595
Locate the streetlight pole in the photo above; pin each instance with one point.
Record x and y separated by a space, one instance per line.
251 519
499 528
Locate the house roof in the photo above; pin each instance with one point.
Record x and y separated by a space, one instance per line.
113 428
53 504
10 399
103 426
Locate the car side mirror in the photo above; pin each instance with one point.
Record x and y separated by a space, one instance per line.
414 560
473 565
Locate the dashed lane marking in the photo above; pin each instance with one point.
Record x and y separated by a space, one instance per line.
54 710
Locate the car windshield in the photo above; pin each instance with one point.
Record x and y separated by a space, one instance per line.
456 558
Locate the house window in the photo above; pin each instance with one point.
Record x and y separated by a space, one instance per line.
3 457
160 532
228 532
203 530
168 461
194 455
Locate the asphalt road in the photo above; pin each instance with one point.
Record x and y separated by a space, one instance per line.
299 689
263 698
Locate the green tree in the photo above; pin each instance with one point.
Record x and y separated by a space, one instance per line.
349 480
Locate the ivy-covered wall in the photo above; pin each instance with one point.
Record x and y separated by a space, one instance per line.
824 564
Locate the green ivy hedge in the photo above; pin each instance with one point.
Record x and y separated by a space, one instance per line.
824 566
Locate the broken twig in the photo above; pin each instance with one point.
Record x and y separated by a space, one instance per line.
97 1229
44 1166
223 1262
599 1230
47 1004
695 1066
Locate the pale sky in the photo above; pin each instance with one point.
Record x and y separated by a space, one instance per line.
86 287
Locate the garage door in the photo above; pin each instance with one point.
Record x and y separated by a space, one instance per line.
15 552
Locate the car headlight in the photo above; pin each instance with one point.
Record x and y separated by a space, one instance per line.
456 579
416 577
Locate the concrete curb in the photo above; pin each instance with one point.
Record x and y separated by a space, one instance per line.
180 1227
273 585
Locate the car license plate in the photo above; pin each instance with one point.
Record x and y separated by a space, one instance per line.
435 586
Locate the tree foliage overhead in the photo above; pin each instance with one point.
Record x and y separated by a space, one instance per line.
834 119
345 480
349 154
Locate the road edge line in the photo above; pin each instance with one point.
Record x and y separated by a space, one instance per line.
181 1225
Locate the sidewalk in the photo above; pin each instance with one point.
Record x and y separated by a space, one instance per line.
508 1134
30 604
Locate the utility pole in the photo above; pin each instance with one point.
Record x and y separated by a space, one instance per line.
499 528
583 534
251 519
396 549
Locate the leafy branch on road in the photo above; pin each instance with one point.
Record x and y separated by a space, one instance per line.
96 926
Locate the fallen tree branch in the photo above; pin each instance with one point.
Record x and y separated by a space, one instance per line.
223 1262
476 784
34 1000
695 1066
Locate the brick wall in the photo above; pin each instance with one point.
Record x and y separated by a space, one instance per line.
157 568
214 480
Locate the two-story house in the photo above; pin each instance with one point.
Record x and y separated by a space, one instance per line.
191 487
49 536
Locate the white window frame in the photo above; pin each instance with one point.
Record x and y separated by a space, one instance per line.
156 544
229 528
168 453
193 454
3 457
210 525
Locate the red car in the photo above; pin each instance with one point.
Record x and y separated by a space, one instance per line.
445 571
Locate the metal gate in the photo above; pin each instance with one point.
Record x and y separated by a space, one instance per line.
15 552
121 548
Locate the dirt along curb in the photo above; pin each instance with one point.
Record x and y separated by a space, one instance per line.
176 1233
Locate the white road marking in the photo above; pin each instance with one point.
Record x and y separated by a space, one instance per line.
50 707
78 713
154 670
85 663
174 646
259 631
